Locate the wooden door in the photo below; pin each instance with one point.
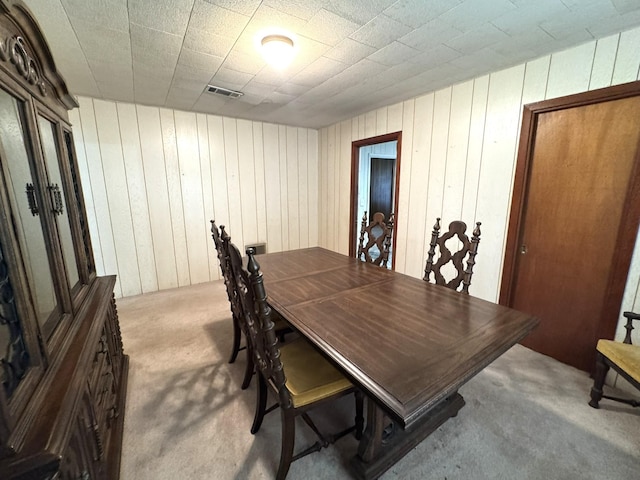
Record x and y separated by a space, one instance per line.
381 187
577 225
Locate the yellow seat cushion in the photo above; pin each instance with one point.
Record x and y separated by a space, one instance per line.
310 377
626 356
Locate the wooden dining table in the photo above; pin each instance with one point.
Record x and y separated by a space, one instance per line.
408 344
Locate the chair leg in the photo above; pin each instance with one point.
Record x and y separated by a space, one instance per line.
359 414
288 442
236 341
598 381
261 404
249 369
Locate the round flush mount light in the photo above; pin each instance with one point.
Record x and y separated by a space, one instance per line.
277 49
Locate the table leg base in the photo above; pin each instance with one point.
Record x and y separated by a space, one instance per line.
405 440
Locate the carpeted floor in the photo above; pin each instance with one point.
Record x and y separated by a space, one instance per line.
526 415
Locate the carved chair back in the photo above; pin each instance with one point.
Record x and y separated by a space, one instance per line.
378 245
258 323
468 248
223 258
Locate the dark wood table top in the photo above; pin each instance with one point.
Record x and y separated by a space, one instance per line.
409 344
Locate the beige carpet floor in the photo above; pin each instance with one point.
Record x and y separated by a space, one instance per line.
526 415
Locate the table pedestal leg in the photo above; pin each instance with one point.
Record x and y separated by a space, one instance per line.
384 442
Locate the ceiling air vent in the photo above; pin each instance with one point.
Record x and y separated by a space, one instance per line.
225 92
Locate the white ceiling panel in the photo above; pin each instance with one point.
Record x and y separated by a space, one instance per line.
351 55
358 12
380 31
171 16
111 14
329 28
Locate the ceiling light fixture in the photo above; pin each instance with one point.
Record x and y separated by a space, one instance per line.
277 50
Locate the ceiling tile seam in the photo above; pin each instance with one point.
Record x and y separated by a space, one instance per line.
81 48
173 77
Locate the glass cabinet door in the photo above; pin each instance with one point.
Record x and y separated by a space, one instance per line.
27 227
58 196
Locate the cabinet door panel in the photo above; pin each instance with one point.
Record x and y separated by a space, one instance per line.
25 209
59 200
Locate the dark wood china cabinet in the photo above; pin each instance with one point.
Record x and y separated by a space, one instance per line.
62 369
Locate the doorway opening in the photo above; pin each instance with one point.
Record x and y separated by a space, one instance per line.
375 175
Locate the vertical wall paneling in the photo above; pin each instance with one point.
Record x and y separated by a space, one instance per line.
247 182
154 177
332 188
335 201
83 167
536 76
293 207
394 118
218 171
303 187
343 201
284 184
273 187
98 189
570 70
192 197
631 298
603 62
230 135
117 196
438 163
109 192
457 146
323 164
628 59
261 206
174 187
381 120
370 124
406 158
207 194
313 181
419 183
132 153
155 182
496 173
474 150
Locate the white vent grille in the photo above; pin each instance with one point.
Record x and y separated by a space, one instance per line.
225 92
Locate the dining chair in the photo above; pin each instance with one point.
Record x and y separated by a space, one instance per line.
222 240
299 376
379 234
467 247
623 357
216 234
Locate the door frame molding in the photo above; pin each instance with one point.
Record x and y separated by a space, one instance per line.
626 236
355 167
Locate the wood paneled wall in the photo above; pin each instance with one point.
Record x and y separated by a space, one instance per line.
458 153
154 177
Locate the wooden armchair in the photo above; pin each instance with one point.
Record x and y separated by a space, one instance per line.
623 357
378 245
298 375
469 247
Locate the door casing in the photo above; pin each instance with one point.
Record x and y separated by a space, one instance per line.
626 235
355 166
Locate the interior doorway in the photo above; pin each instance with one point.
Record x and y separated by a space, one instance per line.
375 175
574 218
